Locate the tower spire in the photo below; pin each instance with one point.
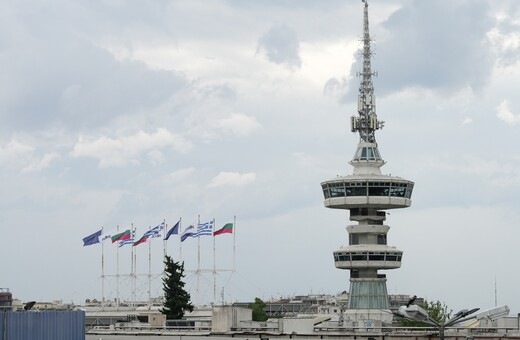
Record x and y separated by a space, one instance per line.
366 123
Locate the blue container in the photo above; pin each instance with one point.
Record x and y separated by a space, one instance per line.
45 325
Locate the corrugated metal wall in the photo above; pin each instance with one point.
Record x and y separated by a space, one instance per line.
3 320
44 325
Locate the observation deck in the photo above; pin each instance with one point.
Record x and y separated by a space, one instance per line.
367 187
367 257
361 191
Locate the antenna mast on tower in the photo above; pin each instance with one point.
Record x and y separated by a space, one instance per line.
366 123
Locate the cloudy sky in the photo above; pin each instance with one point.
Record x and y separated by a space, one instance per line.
121 112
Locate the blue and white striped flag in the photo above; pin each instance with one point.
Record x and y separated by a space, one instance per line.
155 231
131 240
188 232
205 229
125 242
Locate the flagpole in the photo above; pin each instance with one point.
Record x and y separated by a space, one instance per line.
149 271
234 247
180 242
198 259
214 268
132 271
164 241
102 274
234 244
117 274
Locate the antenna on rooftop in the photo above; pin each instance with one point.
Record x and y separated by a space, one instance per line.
496 304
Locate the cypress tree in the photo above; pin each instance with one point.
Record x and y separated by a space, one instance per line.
176 298
258 308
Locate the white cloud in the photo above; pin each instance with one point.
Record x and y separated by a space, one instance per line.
505 114
14 149
24 156
211 122
156 157
304 159
467 121
127 150
239 124
42 163
232 178
178 175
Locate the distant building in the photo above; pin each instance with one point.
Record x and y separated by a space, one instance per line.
321 304
6 299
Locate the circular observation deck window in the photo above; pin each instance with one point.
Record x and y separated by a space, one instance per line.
367 152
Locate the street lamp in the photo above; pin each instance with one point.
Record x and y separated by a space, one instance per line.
416 313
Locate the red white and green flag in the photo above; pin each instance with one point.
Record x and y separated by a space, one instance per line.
141 240
226 229
125 235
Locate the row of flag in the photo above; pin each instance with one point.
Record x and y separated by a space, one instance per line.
128 236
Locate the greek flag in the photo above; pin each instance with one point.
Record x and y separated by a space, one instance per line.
131 240
155 231
205 229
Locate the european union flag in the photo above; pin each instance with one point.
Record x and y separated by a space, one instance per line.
173 230
92 239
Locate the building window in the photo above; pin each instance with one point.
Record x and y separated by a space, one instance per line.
359 257
390 257
376 256
337 190
359 191
326 192
368 295
344 257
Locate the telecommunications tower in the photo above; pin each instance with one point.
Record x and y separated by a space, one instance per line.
367 193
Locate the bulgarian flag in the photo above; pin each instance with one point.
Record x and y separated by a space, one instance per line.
125 235
226 229
141 240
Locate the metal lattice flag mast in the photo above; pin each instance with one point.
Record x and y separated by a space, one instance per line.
366 194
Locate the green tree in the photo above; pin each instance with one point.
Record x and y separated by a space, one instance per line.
259 313
437 311
176 298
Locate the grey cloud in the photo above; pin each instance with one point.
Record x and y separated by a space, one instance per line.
53 74
280 45
291 4
219 92
76 84
437 45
